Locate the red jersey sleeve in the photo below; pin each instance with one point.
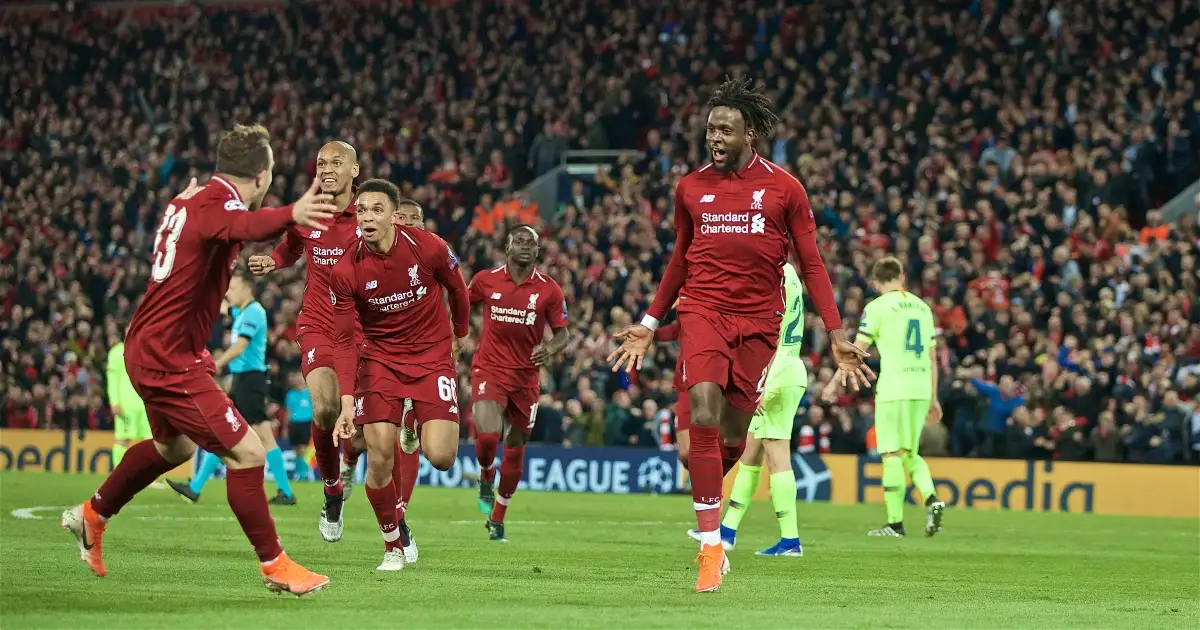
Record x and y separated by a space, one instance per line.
676 271
556 308
234 223
802 230
476 291
341 295
288 251
445 268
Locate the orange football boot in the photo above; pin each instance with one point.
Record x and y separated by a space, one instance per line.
284 574
88 528
713 565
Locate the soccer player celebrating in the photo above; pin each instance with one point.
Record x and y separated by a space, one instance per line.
519 302
337 166
771 433
734 221
901 325
405 364
195 252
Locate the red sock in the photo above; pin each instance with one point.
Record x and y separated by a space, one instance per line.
510 475
383 501
139 468
350 454
327 459
486 445
248 500
704 466
730 455
409 465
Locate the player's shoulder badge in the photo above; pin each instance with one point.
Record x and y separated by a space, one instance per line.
453 257
234 204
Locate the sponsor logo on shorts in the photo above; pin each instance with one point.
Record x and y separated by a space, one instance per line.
358 408
232 419
312 355
482 388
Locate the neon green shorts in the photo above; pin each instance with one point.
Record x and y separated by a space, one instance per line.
898 424
132 427
784 389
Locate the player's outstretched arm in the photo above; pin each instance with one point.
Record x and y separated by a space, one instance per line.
802 229
285 254
447 273
310 210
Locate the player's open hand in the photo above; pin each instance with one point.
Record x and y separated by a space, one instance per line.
635 341
314 208
261 265
852 366
343 429
540 355
189 192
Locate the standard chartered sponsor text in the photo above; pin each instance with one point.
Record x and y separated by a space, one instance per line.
327 255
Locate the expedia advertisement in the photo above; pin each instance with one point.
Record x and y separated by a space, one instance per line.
996 484
76 451
558 469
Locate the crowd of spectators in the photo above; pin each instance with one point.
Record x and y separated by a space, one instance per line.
1012 152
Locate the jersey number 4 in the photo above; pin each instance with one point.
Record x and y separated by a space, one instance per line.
165 241
912 338
791 336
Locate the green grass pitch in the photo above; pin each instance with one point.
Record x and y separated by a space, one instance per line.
591 561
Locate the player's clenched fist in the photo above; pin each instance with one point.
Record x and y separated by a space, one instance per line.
343 429
635 341
261 265
314 208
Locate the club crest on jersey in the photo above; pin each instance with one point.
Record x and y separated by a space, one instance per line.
756 201
533 301
413 280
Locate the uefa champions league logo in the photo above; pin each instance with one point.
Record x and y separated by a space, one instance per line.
656 475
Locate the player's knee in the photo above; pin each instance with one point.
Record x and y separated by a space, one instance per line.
440 461
325 412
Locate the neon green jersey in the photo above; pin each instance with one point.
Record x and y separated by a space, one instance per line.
901 326
791 332
120 390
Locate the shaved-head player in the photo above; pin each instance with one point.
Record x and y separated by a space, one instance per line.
337 166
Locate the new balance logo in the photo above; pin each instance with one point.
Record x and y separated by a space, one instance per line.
374 284
495 296
315 234
708 198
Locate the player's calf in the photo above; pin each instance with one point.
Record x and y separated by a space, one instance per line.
381 491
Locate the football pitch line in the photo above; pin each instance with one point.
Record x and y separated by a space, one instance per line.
37 513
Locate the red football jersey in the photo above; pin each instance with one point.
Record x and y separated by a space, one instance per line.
322 249
515 317
396 297
733 236
195 253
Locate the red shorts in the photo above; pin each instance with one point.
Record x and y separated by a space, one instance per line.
683 403
317 350
519 403
732 351
188 403
424 392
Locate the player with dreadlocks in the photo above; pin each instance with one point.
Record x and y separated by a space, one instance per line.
734 221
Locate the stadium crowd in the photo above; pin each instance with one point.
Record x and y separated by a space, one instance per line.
1013 152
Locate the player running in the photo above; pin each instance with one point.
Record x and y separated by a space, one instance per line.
408 460
195 252
392 281
771 433
901 325
734 221
519 303
337 166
